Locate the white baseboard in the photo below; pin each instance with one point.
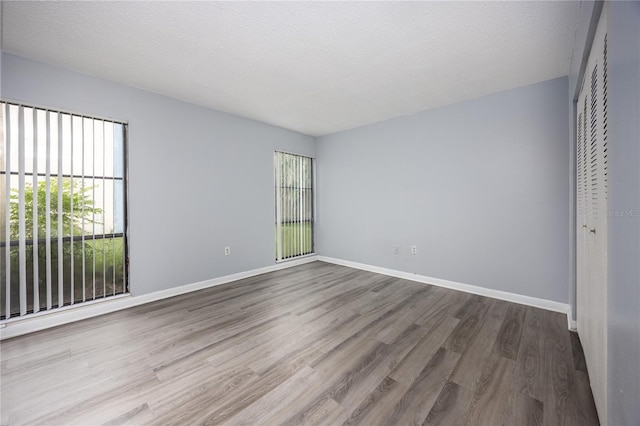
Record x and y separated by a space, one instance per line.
549 305
47 319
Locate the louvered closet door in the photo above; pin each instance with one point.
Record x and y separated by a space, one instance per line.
592 210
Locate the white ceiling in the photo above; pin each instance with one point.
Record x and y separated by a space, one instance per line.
313 67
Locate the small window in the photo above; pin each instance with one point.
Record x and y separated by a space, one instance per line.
62 209
294 205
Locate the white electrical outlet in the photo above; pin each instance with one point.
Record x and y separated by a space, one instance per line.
396 249
227 251
414 249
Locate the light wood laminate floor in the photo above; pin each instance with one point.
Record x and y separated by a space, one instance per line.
313 344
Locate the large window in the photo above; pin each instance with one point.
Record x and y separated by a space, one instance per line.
294 205
62 209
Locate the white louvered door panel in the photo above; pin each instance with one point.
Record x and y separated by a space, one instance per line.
592 211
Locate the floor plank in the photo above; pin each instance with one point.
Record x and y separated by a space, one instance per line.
508 339
450 406
471 315
416 403
468 370
377 403
491 392
529 374
523 410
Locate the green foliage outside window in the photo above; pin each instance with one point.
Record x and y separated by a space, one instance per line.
81 261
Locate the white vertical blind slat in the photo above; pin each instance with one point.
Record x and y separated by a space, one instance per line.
7 199
36 273
93 213
60 217
104 240
124 174
72 294
22 249
298 198
303 247
302 205
113 216
289 199
278 175
296 192
313 201
48 210
300 217
22 255
82 215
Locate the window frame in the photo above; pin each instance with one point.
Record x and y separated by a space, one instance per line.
312 208
35 308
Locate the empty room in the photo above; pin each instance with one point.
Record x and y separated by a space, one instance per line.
320 213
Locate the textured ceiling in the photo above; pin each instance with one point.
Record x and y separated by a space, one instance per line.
313 67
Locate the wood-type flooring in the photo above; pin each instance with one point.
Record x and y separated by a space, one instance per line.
312 344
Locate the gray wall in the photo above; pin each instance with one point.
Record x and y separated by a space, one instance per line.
481 187
199 179
624 197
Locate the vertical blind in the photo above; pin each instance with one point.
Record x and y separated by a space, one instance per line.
294 205
62 209
592 215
